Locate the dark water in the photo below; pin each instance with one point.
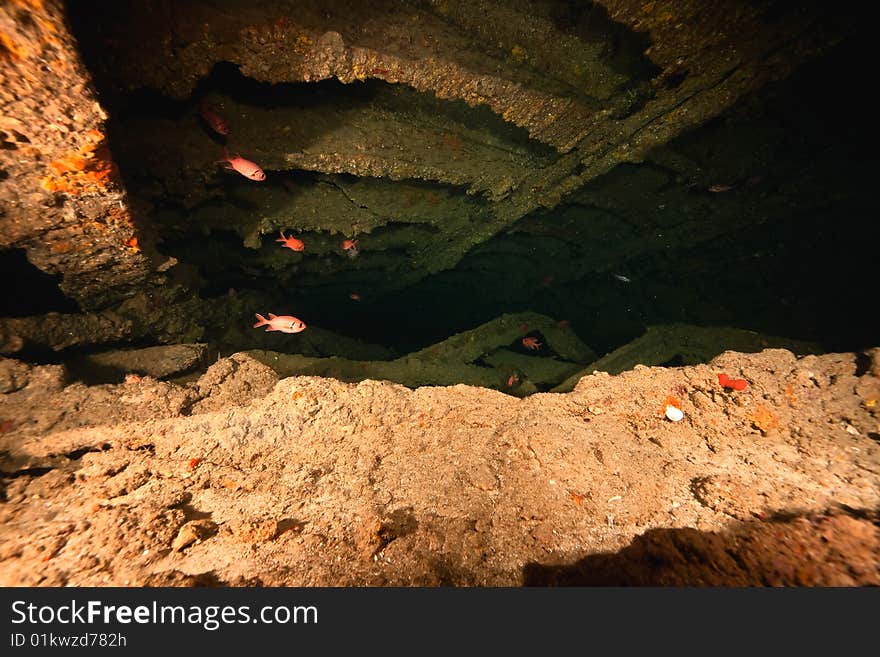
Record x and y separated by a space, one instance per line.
763 219
798 259
29 290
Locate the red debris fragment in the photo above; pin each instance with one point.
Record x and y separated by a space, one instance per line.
736 384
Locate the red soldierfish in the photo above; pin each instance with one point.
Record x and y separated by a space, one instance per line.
218 123
283 323
531 343
291 242
350 247
245 167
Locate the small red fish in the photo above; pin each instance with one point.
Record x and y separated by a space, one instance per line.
531 343
720 189
350 247
245 167
736 384
512 380
218 123
283 323
354 296
291 242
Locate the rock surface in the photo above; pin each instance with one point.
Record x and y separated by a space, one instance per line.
311 481
158 362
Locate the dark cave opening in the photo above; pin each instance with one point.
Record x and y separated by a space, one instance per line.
30 291
795 272
806 273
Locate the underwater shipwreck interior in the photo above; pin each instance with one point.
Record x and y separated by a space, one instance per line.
438 292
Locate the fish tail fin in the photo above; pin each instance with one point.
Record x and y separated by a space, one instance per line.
263 321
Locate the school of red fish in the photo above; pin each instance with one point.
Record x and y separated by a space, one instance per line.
253 171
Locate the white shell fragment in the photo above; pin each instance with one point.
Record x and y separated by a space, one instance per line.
674 414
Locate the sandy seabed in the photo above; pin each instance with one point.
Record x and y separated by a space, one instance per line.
243 479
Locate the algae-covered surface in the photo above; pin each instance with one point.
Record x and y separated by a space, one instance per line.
426 131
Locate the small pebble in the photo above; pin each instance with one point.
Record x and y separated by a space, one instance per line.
674 414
